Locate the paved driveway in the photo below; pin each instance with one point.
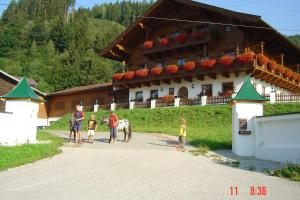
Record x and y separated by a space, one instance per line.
147 168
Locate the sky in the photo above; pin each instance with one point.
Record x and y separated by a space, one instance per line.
284 15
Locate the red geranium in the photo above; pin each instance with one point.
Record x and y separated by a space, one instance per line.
280 69
272 65
288 73
295 76
156 71
168 99
148 44
226 60
172 69
189 66
164 41
142 73
182 37
246 57
262 59
208 63
129 75
197 35
118 76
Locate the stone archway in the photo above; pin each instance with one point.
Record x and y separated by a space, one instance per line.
183 92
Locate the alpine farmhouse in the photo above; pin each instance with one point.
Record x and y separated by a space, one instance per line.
186 49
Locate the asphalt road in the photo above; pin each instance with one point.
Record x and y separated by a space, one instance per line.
149 167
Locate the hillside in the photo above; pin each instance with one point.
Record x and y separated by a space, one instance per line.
208 127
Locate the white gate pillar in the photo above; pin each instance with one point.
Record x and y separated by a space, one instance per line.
153 104
177 102
203 100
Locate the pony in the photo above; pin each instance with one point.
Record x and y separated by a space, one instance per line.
123 125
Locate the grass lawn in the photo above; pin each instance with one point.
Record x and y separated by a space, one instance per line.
208 127
23 154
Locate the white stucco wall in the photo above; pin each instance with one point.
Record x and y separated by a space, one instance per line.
268 87
278 138
19 125
244 145
163 89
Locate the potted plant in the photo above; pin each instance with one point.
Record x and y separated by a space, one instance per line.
142 73
118 76
295 76
129 75
189 66
280 69
156 71
246 57
262 59
208 63
164 41
272 65
181 38
172 69
148 44
288 73
226 60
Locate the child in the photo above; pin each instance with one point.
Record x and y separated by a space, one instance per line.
182 134
72 130
79 117
92 127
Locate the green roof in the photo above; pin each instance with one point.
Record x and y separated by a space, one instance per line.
22 91
248 92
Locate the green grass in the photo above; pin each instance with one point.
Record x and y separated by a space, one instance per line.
23 154
208 127
290 171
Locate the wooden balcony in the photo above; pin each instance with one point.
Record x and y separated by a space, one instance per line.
198 73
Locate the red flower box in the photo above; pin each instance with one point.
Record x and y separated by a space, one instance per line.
197 35
246 57
208 63
148 44
164 41
129 75
226 61
156 71
168 99
172 69
295 76
118 76
182 37
262 59
142 73
280 69
288 73
189 66
272 65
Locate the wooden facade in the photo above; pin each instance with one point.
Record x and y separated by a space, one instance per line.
63 102
225 33
8 82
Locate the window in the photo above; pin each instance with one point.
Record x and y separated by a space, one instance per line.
153 94
60 105
227 89
227 28
175 34
207 90
181 61
171 91
139 95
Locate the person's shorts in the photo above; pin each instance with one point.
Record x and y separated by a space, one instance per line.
77 127
91 132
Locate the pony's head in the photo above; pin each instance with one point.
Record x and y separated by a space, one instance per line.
104 120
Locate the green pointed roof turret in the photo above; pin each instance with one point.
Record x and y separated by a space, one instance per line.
248 92
22 91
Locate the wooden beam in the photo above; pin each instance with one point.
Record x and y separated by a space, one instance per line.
226 74
156 83
200 77
148 84
236 73
212 76
167 81
177 80
188 79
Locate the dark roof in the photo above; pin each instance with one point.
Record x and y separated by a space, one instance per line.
248 92
82 89
17 80
133 32
22 91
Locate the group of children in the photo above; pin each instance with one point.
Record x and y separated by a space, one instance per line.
78 117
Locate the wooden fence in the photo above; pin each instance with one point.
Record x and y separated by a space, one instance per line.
285 98
218 100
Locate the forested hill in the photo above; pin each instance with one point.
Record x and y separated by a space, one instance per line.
58 46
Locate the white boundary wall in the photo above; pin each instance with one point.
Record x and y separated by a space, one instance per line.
278 138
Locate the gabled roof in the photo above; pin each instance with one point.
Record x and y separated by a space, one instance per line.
17 80
22 91
248 92
82 89
157 10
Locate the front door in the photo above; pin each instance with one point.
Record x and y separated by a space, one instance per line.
183 92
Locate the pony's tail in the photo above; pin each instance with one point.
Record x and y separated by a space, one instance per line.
129 132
